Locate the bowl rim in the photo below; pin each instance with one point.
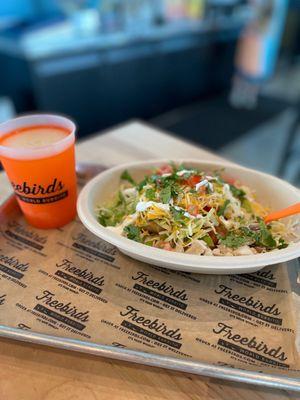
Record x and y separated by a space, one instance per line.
174 258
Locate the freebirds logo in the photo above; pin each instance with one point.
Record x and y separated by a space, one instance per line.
27 233
80 276
67 313
154 329
93 247
20 233
12 266
160 290
251 347
40 194
14 262
249 305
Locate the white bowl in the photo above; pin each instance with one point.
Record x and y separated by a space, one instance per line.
270 191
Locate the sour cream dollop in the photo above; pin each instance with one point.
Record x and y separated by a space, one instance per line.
144 205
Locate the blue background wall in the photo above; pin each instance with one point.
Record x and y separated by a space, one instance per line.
28 9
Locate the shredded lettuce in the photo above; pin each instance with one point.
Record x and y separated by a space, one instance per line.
127 177
185 209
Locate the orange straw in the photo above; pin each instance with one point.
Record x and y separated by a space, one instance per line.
285 212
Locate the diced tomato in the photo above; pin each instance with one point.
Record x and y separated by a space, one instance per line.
193 209
229 179
207 208
165 169
193 180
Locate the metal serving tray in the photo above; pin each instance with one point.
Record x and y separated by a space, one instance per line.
140 357
147 358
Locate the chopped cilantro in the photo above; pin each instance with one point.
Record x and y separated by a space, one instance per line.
177 214
223 207
150 194
209 188
266 237
142 184
245 231
132 232
102 218
234 240
175 189
169 180
239 193
165 194
282 244
260 237
127 177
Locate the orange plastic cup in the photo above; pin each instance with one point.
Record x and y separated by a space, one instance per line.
43 176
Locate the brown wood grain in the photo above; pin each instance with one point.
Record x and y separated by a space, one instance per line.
31 372
40 373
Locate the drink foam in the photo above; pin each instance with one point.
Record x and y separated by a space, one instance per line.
32 137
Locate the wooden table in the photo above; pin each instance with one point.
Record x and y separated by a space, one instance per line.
30 372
